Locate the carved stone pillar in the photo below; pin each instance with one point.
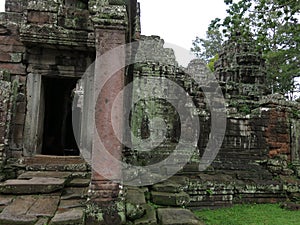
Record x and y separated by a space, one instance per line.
110 23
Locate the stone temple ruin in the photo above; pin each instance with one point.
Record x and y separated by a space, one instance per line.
45 49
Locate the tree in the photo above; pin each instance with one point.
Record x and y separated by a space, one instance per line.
211 63
274 25
208 48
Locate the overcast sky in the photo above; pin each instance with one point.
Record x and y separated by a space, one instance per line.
179 22
2 3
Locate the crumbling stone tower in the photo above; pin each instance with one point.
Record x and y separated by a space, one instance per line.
242 68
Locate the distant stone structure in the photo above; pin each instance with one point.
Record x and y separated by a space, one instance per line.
261 140
45 48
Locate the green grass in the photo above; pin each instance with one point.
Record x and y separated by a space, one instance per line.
265 214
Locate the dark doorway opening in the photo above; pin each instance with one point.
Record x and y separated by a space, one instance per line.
58 135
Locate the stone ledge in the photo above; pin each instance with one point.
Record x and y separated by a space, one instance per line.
69 217
32 186
173 216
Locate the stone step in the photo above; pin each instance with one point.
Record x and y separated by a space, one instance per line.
79 182
35 185
149 218
170 199
42 221
135 196
72 179
176 216
72 203
51 160
5 200
27 209
56 163
72 193
44 206
71 216
15 213
54 174
168 187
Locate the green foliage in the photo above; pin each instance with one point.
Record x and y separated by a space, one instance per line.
154 206
207 49
94 211
209 192
266 214
295 113
274 26
276 29
244 109
4 75
211 63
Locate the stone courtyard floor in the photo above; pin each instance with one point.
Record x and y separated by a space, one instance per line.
40 198
59 198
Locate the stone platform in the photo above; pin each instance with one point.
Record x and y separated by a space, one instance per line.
59 198
41 197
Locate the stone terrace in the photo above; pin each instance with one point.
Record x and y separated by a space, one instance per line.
45 193
38 197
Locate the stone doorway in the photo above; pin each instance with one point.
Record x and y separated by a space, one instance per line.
58 135
54 79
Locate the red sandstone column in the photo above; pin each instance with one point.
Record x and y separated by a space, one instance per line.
106 191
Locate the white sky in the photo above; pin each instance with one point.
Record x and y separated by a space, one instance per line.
179 22
2 4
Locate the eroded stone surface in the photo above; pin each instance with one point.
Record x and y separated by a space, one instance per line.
170 199
74 193
69 217
32 186
73 203
168 187
20 205
5 200
79 182
172 216
42 221
56 174
149 218
134 212
135 196
15 213
9 219
44 206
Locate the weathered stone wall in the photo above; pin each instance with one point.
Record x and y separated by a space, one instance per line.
261 144
12 64
30 32
60 39
158 84
60 23
52 38
4 118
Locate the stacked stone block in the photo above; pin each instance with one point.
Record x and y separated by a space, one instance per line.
13 68
240 69
4 118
